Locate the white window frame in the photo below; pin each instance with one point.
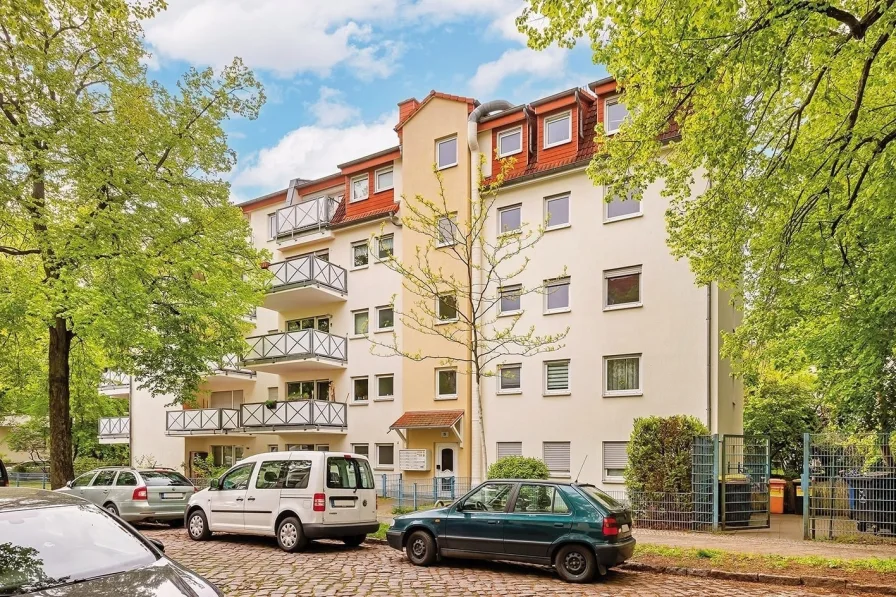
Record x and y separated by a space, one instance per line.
376 179
613 393
438 153
359 243
501 297
610 101
388 329
358 312
608 190
452 220
366 446
498 449
272 226
603 462
618 273
566 281
381 466
568 389
353 181
355 399
554 118
321 447
501 210
379 240
568 222
388 398
439 319
446 396
507 391
514 131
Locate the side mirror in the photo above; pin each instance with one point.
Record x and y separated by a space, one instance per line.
159 545
459 507
69 484
213 485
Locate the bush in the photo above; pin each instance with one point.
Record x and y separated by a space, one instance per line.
659 454
518 467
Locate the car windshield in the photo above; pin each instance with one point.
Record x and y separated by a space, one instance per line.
163 478
44 547
601 498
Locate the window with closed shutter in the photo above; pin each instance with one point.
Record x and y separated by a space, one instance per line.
510 449
615 460
273 393
556 374
556 456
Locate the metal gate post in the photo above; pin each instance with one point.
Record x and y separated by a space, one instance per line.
715 482
723 471
804 481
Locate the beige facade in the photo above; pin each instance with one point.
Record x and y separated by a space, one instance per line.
7 454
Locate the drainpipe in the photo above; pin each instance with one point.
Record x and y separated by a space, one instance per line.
709 357
478 456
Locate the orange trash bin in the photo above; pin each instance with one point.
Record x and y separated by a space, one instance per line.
776 493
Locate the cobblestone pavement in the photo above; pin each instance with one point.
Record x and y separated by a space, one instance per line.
253 566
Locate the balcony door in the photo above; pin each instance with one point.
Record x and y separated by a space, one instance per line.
321 324
308 390
226 399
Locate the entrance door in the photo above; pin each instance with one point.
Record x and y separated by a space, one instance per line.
446 468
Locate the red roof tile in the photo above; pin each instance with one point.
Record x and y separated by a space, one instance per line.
340 219
427 419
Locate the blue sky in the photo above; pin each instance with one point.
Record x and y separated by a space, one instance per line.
334 70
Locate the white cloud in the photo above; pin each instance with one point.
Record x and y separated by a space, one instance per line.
547 64
330 110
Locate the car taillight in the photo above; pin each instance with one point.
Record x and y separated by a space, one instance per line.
611 528
195 489
139 494
320 502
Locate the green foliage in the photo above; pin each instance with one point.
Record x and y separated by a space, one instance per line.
205 468
399 510
786 129
518 467
660 454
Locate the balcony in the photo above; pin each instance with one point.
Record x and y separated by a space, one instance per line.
301 218
113 383
229 374
204 421
289 352
298 415
115 430
308 280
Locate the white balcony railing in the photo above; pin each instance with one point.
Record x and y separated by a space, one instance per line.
230 364
308 270
203 419
302 344
298 413
114 379
115 427
306 216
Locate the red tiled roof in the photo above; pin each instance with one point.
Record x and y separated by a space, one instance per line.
427 419
340 219
457 98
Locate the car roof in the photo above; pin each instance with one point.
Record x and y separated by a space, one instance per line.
21 498
289 453
533 481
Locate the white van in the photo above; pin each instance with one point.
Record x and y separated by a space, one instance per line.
293 496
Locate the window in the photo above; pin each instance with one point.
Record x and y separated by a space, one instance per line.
385 455
619 207
556 456
509 219
556 212
446 307
540 499
126 479
447 228
226 455
272 226
489 498
511 299
321 447
556 377
385 246
362 322
308 390
622 376
385 387
300 447
297 474
83 480
348 473
385 318
273 393
615 461
556 298
359 389
238 478
446 383
509 379
510 142
557 129
273 448
622 288
446 153
321 323
103 478
269 473
509 449
360 254
360 188
384 179
362 449
615 113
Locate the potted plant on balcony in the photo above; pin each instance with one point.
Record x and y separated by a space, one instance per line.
265 264
270 403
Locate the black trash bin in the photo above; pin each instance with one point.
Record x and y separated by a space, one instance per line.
738 501
872 501
798 496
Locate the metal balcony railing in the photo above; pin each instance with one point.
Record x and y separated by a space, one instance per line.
302 344
203 419
115 427
298 413
308 270
230 364
305 216
114 379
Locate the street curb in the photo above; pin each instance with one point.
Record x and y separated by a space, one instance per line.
376 541
771 579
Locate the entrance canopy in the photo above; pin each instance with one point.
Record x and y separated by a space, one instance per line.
429 419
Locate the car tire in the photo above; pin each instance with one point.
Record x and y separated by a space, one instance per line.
290 537
354 540
111 508
197 526
421 548
575 563
176 523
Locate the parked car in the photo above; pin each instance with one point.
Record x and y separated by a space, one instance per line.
61 546
136 495
293 496
4 476
577 529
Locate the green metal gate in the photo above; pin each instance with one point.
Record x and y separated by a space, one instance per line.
744 471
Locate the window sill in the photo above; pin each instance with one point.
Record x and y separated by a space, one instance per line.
385 399
623 306
357 267
510 392
613 480
384 468
446 321
445 245
558 143
551 394
357 336
510 233
621 218
553 475
558 227
501 156
358 403
555 311
446 166
359 199
383 190
453 397
628 394
384 330
510 313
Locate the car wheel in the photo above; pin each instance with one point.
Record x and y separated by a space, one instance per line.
354 540
290 536
421 548
575 563
111 508
197 526
176 523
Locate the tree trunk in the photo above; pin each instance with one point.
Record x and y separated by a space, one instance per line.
61 468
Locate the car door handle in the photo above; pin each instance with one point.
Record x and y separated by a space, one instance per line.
251 499
559 525
239 499
493 521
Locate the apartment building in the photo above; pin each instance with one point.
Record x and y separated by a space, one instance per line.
643 338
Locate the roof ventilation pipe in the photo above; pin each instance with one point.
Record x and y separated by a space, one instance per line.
479 459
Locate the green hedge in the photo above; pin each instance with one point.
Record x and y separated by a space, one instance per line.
518 467
659 454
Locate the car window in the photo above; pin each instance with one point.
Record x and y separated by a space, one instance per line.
237 478
297 474
270 474
126 479
534 499
103 479
83 480
348 473
489 498
560 506
601 498
64 544
164 479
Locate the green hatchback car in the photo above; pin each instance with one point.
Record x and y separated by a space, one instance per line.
576 528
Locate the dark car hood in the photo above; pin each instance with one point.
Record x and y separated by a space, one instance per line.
434 513
162 579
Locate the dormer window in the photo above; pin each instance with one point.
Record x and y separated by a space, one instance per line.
360 188
615 113
557 129
384 179
510 142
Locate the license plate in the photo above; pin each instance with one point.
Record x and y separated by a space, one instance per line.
172 496
624 528
338 503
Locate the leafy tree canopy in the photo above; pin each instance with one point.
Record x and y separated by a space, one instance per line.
518 467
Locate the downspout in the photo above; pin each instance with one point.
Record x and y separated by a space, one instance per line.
479 458
709 357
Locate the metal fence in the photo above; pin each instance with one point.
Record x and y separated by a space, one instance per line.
662 510
420 494
850 483
745 466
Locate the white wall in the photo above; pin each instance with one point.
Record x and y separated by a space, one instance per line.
148 439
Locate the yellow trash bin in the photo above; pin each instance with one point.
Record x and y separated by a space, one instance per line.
776 492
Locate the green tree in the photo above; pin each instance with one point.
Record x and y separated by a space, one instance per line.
116 233
780 124
660 454
518 467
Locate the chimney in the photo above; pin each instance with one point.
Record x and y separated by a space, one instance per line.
405 108
291 190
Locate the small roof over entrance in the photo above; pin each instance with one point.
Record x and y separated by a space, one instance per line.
429 419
